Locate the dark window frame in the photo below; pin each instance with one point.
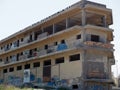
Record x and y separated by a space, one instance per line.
62 41
27 66
47 63
5 70
19 68
59 60
95 38
74 57
55 43
78 36
11 69
36 64
46 46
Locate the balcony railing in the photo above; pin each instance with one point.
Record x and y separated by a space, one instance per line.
27 39
97 75
59 48
40 37
99 44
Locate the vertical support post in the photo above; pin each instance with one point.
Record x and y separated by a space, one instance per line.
33 36
67 23
83 2
83 17
54 28
83 36
83 55
42 30
105 22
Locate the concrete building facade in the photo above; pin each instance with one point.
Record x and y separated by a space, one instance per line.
72 47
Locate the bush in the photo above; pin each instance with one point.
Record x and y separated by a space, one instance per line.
9 87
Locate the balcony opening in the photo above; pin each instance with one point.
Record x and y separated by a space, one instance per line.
95 19
1 48
18 43
30 38
30 53
22 39
75 20
7 60
5 71
62 41
46 47
60 26
0 60
78 36
27 66
36 34
18 57
95 38
55 43
49 30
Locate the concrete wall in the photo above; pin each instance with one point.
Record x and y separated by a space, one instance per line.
103 35
66 70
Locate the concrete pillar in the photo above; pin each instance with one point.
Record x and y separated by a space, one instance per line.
104 21
54 28
83 17
33 36
83 35
67 23
83 2
42 29
83 55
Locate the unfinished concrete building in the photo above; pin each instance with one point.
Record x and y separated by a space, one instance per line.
72 47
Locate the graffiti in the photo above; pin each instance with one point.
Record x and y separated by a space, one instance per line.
1 81
26 76
16 81
32 77
96 87
73 83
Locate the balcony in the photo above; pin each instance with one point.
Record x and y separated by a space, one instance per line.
61 48
43 37
97 75
41 53
99 45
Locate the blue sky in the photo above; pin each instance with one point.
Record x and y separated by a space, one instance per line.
15 15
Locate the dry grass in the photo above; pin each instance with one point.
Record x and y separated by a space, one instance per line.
6 87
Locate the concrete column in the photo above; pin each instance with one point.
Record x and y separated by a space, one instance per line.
54 28
83 17
83 2
104 21
33 36
42 29
67 23
83 55
83 35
